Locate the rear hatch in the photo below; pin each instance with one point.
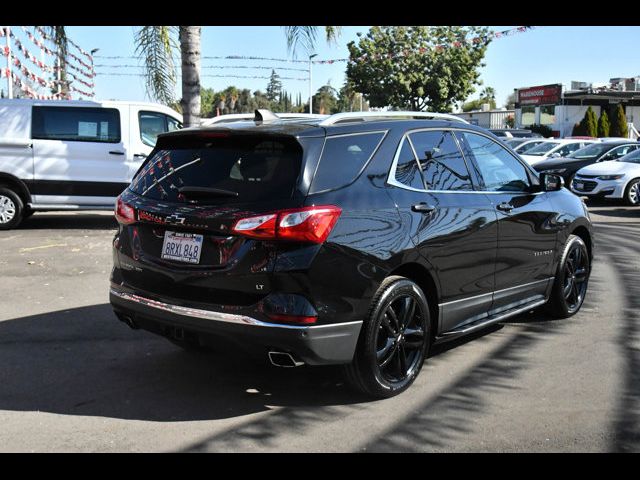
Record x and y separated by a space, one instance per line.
186 199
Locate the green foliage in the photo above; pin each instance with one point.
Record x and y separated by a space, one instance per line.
325 100
590 123
604 126
156 45
351 101
424 77
274 89
477 104
510 104
305 37
619 126
543 130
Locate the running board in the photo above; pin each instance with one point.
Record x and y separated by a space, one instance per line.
472 327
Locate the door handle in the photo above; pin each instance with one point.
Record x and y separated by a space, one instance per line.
140 155
505 207
422 208
116 152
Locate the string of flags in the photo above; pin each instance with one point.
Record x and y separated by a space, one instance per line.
84 72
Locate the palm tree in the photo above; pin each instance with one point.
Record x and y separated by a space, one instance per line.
156 46
306 37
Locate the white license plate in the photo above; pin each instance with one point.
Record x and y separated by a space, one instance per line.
578 185
182 247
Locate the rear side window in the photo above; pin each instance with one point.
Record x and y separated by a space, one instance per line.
441 161
79 124
256 168
343 158
407 168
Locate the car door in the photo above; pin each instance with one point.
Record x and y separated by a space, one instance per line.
527 223
145 126
79 155
452 226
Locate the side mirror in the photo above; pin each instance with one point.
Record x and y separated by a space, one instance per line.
551 182
555 155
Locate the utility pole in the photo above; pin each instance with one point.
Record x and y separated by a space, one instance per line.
310 83
7 31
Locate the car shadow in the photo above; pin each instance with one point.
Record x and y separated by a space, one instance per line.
83 361
79 221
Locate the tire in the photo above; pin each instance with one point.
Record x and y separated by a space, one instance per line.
632 193
572 279
11 208
388 358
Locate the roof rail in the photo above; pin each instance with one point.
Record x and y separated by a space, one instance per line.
354 116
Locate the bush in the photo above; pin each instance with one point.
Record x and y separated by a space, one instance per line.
543 130
619 124
604 126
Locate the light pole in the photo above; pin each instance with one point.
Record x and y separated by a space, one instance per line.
310 82
93 72
7 31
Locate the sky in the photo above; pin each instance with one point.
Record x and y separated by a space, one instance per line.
543 55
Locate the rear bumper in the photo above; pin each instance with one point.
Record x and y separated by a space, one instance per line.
314 345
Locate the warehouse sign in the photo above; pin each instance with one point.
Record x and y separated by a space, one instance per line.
544 95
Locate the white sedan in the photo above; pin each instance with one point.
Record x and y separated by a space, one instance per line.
554 148
615 179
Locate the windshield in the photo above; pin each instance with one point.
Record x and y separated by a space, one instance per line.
526 146
543 148
590 152
232 169
633 157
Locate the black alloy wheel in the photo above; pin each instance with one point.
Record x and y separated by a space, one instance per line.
572 279
394 341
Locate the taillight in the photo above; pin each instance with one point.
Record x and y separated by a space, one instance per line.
308 224
125 214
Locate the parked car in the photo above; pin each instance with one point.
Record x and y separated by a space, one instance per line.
514 133
360 239
528 144
594 153
73 155
618 179
553 149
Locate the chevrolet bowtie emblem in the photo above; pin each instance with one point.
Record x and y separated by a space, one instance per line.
175 220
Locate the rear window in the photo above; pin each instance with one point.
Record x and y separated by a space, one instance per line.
253 167
79 124
343 158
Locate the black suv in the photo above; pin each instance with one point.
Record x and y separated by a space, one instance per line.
358 239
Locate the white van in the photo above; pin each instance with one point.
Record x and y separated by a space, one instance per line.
73 155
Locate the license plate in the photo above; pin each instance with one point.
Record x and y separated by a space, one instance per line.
182 247
578 185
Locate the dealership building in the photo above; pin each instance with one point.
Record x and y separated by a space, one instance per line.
561 109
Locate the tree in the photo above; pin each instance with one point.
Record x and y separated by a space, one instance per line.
591 123
407 68
274 89
306 37
603 124
510 104
619 126
156 45
325 100
207 108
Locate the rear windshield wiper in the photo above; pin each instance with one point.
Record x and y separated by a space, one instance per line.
206 192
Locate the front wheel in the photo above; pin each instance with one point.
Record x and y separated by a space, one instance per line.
394 342
11 209
632 192
572 278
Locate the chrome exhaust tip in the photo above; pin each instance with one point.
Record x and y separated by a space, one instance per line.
283 359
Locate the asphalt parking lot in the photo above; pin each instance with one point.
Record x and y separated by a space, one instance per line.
73 378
